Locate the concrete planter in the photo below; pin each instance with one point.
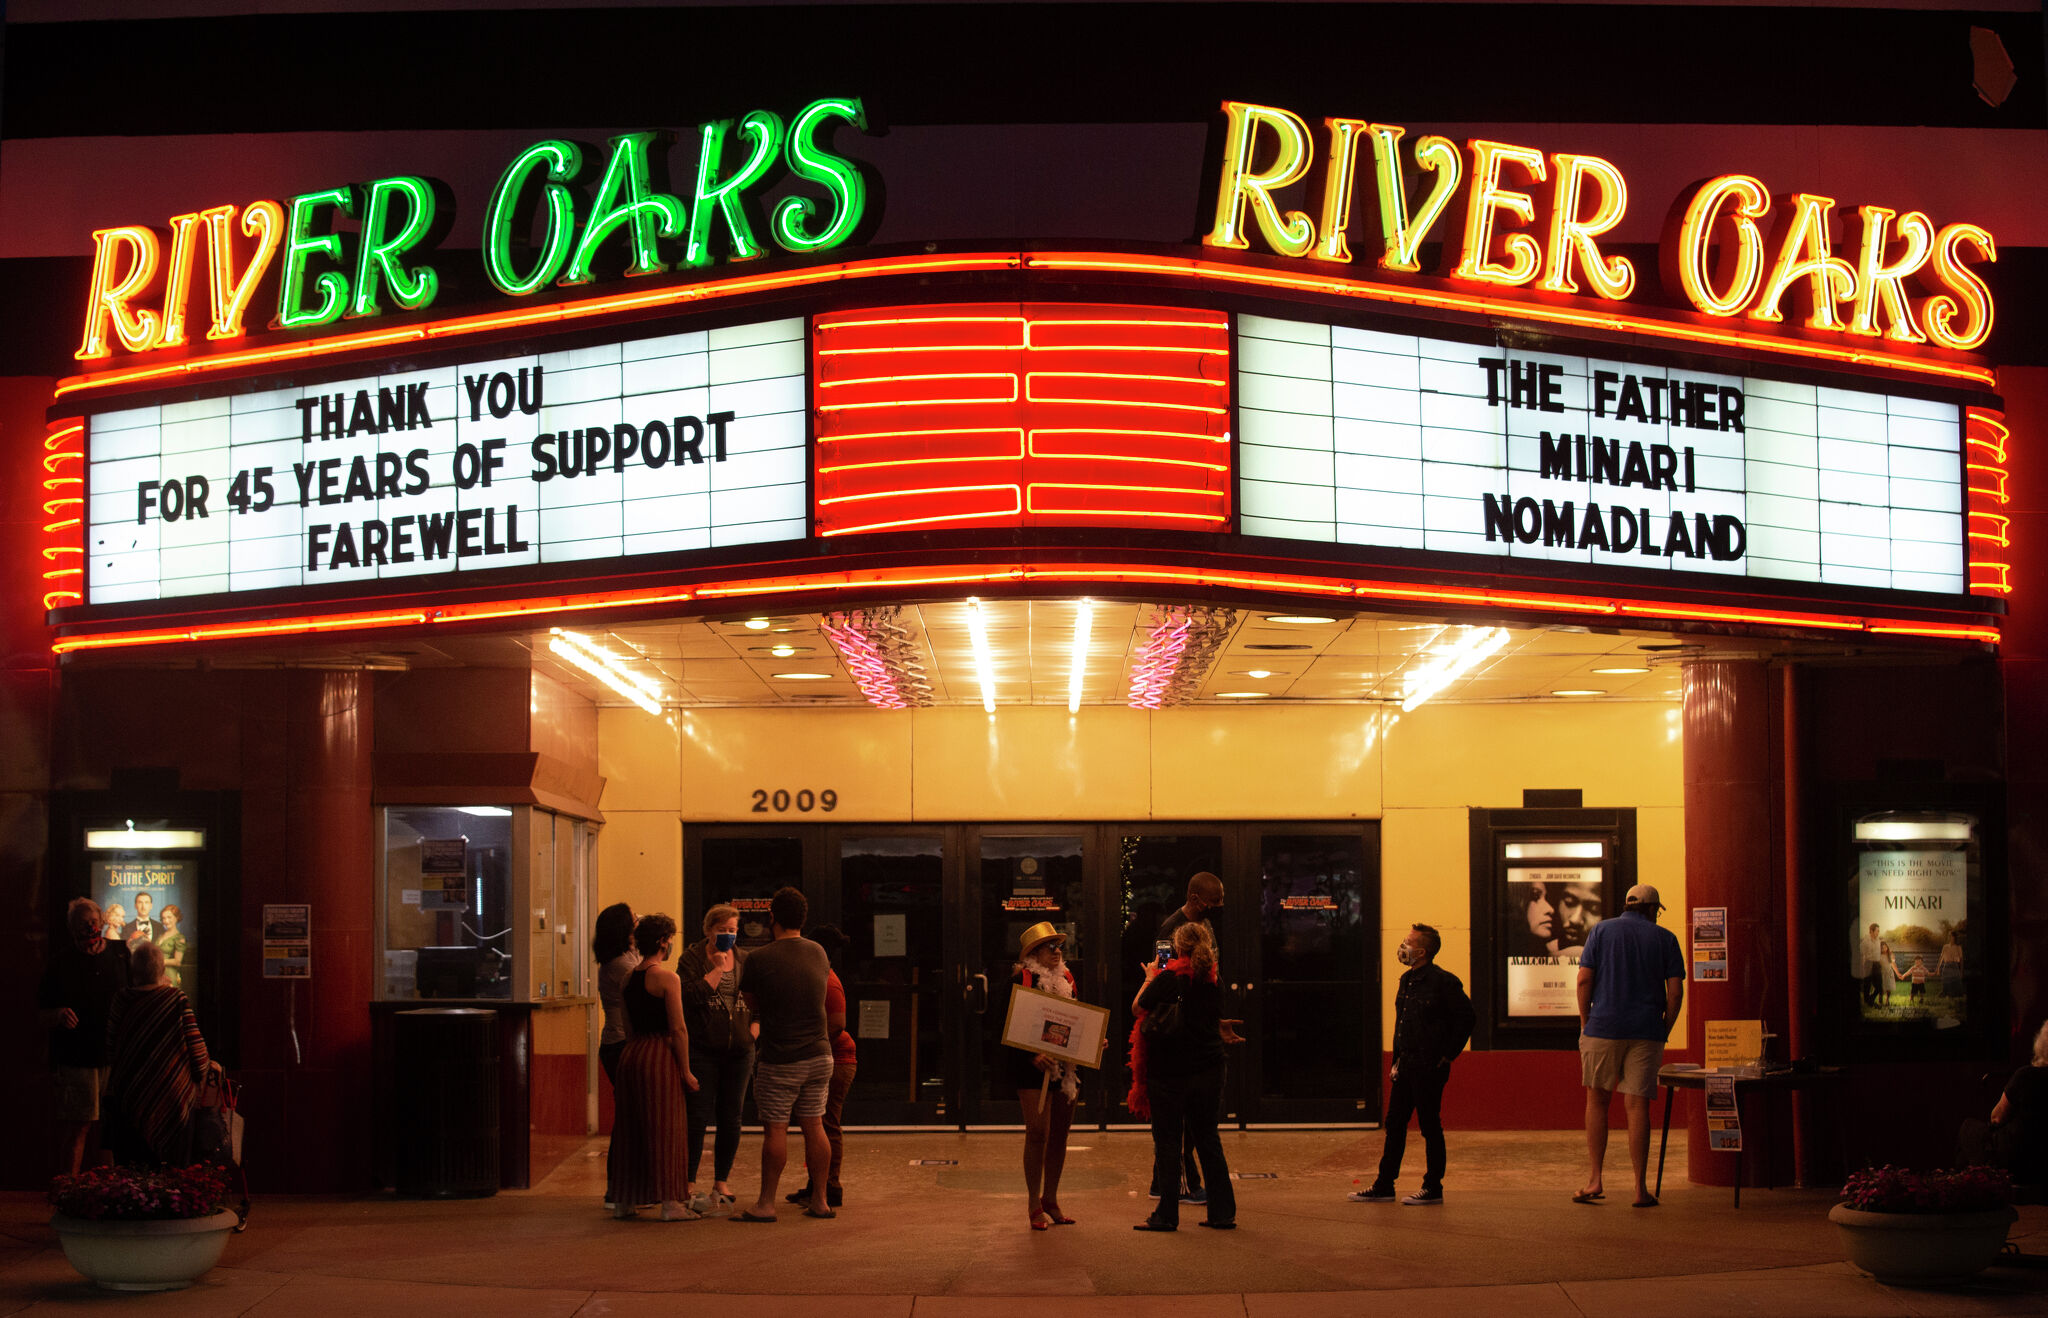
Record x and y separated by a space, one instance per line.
144 1256
1922 1249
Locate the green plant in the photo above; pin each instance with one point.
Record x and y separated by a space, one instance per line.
1891 1189
138 1194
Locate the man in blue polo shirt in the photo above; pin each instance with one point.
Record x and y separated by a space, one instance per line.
1631 984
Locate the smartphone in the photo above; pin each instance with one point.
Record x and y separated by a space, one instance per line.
726 942
1164 949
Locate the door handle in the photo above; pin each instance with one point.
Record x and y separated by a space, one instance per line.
977 994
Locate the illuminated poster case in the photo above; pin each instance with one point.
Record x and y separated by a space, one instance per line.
1410 441
645 446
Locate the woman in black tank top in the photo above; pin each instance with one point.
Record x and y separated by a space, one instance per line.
648 1162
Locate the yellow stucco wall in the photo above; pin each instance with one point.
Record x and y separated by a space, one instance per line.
1419 774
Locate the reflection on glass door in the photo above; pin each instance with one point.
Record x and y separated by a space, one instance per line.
1307 995
745 871
892 909
1023 879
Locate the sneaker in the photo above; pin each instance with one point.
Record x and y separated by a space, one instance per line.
1421 1197
1194 1196
1372 1194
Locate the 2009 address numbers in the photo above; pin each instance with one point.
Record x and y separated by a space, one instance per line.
781 801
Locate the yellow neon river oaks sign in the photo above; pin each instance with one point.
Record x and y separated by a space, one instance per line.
556 213
1515 217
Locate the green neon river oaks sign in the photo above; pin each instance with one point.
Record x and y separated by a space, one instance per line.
559 213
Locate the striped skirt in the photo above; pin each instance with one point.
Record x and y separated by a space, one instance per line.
649 1162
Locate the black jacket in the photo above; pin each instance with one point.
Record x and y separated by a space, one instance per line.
1432 1015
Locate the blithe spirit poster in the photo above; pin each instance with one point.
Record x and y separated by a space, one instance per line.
153 901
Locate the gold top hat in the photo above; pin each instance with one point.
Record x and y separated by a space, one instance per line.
1037 935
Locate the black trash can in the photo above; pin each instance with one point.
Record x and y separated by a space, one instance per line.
446 1059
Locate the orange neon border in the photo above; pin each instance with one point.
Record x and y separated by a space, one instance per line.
1990 569
880 267
972 575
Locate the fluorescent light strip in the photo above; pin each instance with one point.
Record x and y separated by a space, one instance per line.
1078 668
601 664
144 839
1463 657
984 669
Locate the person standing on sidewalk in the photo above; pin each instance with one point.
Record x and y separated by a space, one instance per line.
721 1051
72 1002
1432 1022
785 985
1205 896
1631 985
845 1065
1180 1069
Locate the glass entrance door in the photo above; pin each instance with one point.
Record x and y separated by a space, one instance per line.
898 973
1307 979
1150 882
1017 879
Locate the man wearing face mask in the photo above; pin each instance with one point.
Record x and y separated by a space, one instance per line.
1432 1022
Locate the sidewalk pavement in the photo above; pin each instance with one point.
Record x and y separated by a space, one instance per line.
933 1226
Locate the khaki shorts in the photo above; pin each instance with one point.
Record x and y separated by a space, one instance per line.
1627 1066
78 1090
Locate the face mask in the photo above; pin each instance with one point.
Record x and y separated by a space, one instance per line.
1405 955
726 942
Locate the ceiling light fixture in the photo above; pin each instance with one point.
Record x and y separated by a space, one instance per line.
802 677
1299 619
1253 672
984 668
1243 695
1583 692
1425 682
605 666
782 651
756 624
1077 668
1621 670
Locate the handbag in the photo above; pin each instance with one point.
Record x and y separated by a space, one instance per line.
1163 1024
216 1123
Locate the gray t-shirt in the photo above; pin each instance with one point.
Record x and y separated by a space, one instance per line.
611 984
786 981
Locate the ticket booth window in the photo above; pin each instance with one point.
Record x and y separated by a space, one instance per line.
484 903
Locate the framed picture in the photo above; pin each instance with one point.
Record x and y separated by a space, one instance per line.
1041 1022
1542 881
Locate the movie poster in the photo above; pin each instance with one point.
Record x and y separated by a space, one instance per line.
1912 935
153 901
1550 911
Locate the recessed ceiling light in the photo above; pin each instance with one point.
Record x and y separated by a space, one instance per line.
1621 670
1299 619
1253 672
756 624
1578 693
803 677
1243 695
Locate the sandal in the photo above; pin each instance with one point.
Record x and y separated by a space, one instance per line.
1588 1196
679 1211
748 1215
1040 1222
1052 1210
